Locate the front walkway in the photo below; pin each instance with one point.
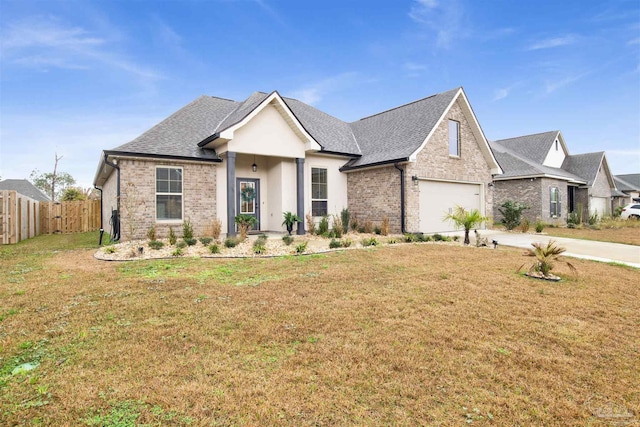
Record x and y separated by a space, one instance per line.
577 248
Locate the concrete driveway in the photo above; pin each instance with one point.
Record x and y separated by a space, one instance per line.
587 249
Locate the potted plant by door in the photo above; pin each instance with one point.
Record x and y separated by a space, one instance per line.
290 220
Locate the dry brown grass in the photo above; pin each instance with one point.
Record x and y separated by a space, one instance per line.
416 334
626 235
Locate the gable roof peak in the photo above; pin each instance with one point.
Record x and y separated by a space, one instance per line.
410 103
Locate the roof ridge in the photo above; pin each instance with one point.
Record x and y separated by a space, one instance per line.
530 134
407 104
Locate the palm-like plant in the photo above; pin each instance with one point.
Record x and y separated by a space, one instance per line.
463 218
545 256
290 220
245 222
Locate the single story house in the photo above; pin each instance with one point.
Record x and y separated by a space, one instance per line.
25 188
629 185
540 172
216 158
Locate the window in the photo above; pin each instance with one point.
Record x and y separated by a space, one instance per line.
555 208
318 192
168 194
556 145
454 138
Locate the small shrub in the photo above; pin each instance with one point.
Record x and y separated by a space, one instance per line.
260 246
311 225
190 241
156 244
524 225
287 239
151 233
372 241
345 219
187 230
573 219
110 250
617 212
205 240
384 226
410 238
539 226
354 222
172 237
333 244
422 237
368 227
301 248
245 222
392 241
346 243
337 228
177 251
231 242
181 244
438 237
216 229
214 248
377 230
594 219
323 226
456 238
512 213
361 229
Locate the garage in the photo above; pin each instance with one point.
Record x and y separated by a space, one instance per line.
599 205
438 198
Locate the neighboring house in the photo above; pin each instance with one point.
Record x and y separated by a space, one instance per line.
540 172
25 188
629 185
216 158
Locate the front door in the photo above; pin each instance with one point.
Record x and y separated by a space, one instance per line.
248 198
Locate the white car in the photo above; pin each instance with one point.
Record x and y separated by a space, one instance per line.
632 210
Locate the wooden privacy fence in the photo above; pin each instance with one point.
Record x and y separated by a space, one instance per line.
19 217
22 217
69 217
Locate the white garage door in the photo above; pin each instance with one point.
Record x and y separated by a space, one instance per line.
599 204
439 198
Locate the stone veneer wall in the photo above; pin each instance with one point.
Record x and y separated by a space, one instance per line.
373 194
138 189
434 162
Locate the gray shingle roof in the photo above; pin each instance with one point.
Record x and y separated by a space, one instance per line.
332 134
631 181
178 135
241 111
399 132
533 147
25 188
515 165
584 165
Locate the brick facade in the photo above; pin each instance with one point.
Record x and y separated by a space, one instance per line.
138 189
374 193
535 193
434 162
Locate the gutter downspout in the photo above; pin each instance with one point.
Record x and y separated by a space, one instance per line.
101 223
117 168
402 225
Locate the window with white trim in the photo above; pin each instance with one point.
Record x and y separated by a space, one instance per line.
554 196
454 138
318 192
168 194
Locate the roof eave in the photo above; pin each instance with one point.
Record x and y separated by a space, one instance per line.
347 168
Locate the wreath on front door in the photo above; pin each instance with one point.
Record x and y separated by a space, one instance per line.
248 194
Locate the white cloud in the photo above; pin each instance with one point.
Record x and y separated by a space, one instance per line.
634 41
553 85
45 42
501 93
443 19
553 42
313 93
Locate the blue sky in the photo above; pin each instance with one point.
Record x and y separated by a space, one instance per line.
77 77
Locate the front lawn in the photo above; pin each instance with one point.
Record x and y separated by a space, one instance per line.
411 334
615 231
